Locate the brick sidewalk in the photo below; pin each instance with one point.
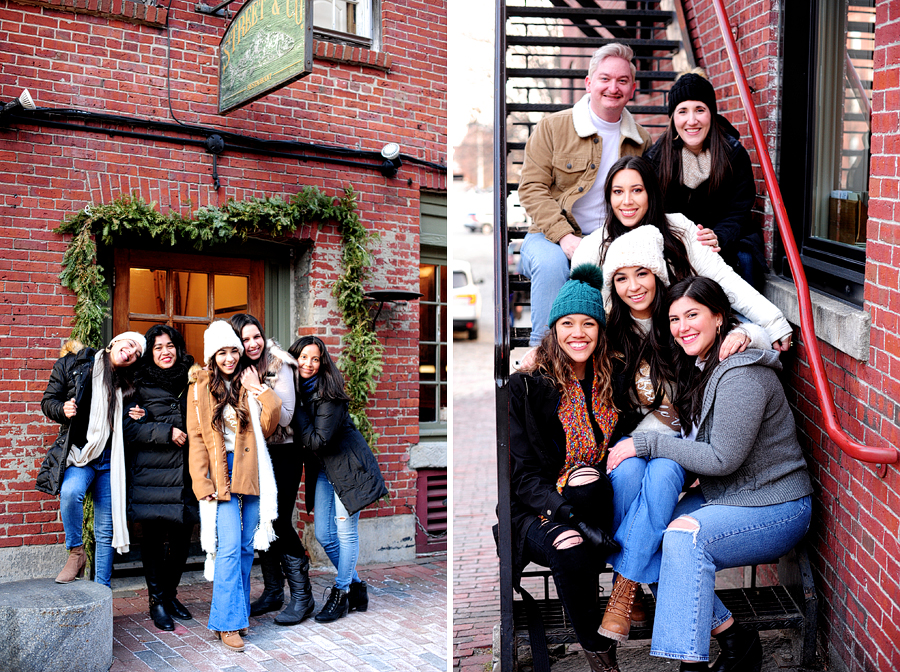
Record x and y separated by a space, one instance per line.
476 589
404 630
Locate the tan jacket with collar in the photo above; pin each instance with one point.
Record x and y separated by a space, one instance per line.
561 161
207 462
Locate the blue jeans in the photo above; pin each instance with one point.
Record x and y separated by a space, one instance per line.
76 482
645 493
337 532
687 608
548 267
236 523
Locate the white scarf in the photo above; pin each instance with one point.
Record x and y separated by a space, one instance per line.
268 501
695 168
97 434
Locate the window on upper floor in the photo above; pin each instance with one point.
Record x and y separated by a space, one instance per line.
825 155
355 21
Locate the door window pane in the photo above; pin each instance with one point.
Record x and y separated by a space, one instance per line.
190 294
230 295
148 291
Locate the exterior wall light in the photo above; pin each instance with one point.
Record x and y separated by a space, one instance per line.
391 163
25 101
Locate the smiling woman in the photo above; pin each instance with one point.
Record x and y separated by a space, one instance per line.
562 501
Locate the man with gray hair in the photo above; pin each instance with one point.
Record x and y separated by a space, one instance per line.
564 172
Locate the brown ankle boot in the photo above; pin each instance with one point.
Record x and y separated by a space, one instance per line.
74 568
638 609
617 618
602 661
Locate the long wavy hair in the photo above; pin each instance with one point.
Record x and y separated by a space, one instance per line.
226 392
674 249
691 380
552 361
670 166
634 347
329 381
240 320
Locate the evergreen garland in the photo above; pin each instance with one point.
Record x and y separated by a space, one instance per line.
360 360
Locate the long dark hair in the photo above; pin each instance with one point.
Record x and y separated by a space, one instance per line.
148 373
635 347
674 249
118 378
553 362
226 393
329 381
240 320
670 168
691 380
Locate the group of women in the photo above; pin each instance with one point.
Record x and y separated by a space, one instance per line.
650 428
160 442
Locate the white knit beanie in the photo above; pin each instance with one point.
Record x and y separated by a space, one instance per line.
220 334
642 246
130 336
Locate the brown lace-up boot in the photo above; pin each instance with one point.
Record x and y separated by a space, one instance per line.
74 568
638 609
616 622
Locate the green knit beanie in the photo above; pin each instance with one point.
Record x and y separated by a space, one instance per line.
581 295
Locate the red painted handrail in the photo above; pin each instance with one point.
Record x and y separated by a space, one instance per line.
855 450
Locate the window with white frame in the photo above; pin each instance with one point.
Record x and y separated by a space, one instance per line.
347 18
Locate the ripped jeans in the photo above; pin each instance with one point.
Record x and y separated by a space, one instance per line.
718 537
575 563
337 532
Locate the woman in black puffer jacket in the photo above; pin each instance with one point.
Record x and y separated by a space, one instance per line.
160 496
342 474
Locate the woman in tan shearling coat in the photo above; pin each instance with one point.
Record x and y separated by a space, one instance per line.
228 417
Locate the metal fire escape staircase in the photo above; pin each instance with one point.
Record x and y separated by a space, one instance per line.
548 46
543 49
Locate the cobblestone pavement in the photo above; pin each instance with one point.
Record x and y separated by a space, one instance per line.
404 629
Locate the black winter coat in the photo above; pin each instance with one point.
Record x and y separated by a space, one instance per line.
325 429
69 379
537 451
159 482
725 211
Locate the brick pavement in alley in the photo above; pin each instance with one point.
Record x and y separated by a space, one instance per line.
476 589
404 629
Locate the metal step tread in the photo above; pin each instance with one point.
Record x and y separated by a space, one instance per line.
767 608
588 13
562 73
552 41
557 107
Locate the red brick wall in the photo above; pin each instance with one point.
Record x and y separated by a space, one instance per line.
854 534
107 62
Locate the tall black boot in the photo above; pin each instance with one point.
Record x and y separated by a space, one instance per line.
176 559
272 598
302 604
741 651
153 575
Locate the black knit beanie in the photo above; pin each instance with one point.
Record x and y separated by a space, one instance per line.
692 87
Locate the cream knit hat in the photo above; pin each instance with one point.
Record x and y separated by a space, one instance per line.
130 336
642 246
220 334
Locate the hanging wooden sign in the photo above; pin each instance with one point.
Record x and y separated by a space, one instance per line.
268 45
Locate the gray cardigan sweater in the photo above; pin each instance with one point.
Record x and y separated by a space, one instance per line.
746 452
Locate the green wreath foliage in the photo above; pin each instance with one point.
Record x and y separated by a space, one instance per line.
361 358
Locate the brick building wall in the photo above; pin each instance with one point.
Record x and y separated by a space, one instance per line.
111 57
854 533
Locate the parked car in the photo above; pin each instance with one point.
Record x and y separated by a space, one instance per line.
474 225
466 311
